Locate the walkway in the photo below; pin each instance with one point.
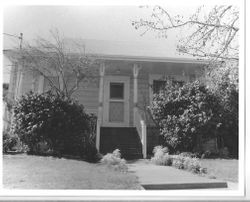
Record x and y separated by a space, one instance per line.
165 177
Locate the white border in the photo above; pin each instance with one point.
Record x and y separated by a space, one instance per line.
146 195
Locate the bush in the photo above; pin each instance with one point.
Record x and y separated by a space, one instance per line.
186 114
9 141
178 161
181 161
192 164
188 163
50 123
114 161
90 153
161 156
12 143
228 132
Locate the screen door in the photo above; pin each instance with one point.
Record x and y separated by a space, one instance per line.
116 101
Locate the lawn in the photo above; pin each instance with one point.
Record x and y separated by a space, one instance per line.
34 172
226 169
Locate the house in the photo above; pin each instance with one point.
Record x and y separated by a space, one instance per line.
127 77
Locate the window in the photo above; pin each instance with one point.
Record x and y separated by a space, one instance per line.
179 83
158 85
116 90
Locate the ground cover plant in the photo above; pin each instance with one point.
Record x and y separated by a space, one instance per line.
225 169
181 161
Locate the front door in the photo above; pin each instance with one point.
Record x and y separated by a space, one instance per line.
116 101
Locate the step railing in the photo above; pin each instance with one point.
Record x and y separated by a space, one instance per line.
141 128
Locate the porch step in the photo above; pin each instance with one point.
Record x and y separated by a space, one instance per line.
124 138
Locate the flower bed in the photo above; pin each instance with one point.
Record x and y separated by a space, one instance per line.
181 161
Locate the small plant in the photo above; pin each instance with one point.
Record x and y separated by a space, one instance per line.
9 141
190 154
192 164
178 161
161 156
115 161
185 160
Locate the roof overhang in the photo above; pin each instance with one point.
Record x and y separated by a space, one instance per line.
14 54
149 59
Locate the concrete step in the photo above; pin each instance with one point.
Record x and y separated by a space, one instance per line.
193 185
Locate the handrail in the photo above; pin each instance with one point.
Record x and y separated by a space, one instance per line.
142 131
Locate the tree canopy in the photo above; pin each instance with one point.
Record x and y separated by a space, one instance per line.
211 33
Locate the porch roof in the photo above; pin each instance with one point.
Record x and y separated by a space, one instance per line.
130 51
121 50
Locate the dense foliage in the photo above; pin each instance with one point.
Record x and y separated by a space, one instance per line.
9 141
182 161
227 92
186 115
53 124
189 114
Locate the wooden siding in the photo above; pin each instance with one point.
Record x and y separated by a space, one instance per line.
182 71
88 91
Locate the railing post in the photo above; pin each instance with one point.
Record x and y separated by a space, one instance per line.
144 139
135 75
100 107
97 135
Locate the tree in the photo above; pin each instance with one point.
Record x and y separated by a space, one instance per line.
58 62
211 34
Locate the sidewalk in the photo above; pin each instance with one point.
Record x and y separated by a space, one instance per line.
157 177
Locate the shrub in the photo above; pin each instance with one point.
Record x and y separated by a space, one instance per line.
188 163
190 154
161 156
50 123
114 161
181 161
185 115
224 153
9 141
90 153
228 132
192 164
178 161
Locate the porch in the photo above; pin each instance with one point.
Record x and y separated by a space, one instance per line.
125 91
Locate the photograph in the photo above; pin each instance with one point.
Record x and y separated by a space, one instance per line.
110 98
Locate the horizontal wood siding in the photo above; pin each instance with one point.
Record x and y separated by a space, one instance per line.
88 93
27 82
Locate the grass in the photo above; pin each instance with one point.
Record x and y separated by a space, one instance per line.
225 169
34 172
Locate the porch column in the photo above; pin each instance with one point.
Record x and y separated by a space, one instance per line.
41 84
135 74
100 107
20 83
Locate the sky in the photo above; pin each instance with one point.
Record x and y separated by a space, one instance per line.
88 22
91 22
